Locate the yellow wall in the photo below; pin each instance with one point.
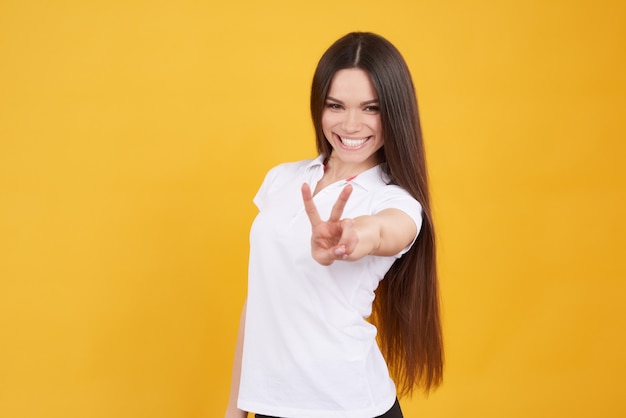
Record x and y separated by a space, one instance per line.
133 135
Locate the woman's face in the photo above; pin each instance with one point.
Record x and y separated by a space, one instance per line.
351 118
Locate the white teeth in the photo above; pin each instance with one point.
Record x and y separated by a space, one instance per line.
352 142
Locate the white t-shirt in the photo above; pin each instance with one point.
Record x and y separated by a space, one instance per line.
308 350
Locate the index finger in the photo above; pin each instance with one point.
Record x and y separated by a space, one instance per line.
340 204
309 205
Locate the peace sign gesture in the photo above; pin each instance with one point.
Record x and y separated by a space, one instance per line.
334 239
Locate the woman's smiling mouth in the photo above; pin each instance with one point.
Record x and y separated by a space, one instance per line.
353 142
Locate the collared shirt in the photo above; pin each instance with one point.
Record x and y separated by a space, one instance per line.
308 349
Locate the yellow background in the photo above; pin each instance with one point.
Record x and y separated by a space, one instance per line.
134 134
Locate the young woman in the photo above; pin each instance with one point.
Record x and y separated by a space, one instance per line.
330 234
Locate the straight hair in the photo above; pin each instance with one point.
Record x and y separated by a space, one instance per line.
406 308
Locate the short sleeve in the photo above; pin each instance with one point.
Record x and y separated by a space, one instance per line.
261 195
395 197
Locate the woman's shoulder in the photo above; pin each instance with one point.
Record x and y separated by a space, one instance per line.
292 168
379 183
287 170
384 192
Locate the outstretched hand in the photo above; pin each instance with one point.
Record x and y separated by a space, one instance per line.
334 239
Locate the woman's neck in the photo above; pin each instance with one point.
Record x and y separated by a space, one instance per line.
336 170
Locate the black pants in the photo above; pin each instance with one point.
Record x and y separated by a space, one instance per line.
394 412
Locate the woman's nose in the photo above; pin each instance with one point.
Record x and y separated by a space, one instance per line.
351 121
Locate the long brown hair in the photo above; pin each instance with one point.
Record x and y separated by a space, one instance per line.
406 308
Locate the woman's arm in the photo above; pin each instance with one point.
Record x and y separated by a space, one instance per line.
385 233
232 411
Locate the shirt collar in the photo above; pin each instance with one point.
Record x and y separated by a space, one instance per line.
318 162
366 180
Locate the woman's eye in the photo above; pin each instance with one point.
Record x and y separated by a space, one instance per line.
372 109
334 106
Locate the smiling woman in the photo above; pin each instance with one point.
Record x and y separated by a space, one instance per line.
333 232
351 123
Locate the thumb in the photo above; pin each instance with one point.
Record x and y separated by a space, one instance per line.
349 237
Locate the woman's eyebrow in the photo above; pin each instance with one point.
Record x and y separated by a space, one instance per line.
362 103
370 102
